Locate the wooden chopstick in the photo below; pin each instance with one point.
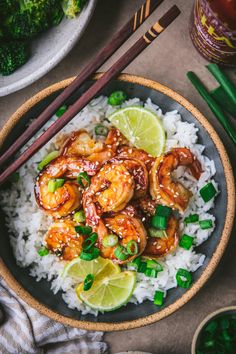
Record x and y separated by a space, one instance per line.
117 40
114 70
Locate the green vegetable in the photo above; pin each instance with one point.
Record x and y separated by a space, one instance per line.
12 56
159 222
152 232
159 298
90 242
51 156
101 130
208 192
54 184
83 230
43 251
120 253
163 210
224 81
206 224
218 336
88 282
154 264
221 97
132 248
117 98
151 273
135 263
192 218
184 278
83 179
142 267
79 216
8 7
61 111
186 242
14 177
89 256
72 7
110 240
214 106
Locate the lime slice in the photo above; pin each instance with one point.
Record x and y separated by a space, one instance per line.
78 269
109 293
141 127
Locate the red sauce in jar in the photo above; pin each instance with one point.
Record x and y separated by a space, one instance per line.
213 30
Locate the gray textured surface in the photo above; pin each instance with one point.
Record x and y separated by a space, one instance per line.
167 60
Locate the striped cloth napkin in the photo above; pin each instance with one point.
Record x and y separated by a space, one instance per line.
23 330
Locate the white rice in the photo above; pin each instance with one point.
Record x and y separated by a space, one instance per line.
27 224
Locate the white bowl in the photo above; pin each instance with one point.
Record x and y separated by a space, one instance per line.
48 50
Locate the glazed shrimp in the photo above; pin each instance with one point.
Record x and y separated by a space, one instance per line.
159 247
137 154
127 229
138 171
67 198
111 188
162 186
62 239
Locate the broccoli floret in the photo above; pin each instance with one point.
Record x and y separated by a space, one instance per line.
34 17
72 7
8 7
12 55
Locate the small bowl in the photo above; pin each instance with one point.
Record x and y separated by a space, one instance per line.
225 310
39 295
47 50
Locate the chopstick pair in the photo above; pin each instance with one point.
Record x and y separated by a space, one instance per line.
221 99
114 70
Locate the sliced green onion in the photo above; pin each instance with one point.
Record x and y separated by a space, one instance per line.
117 98
79 216
83 230
110 240
159 298
43 251
61 111
47 159
101 130
90 242
163 210
151 273
135 263
89 256
88 282
184 278
142 267
206 224
155 265
120 253
159 222
132 248
54 184
152 232
186 242
208 192
192 218
83 179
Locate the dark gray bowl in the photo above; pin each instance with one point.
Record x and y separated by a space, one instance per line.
38 294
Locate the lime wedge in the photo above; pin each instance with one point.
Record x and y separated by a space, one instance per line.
109 293
78 269
141 127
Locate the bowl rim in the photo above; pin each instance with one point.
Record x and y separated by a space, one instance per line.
82 22
206 319
207 272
